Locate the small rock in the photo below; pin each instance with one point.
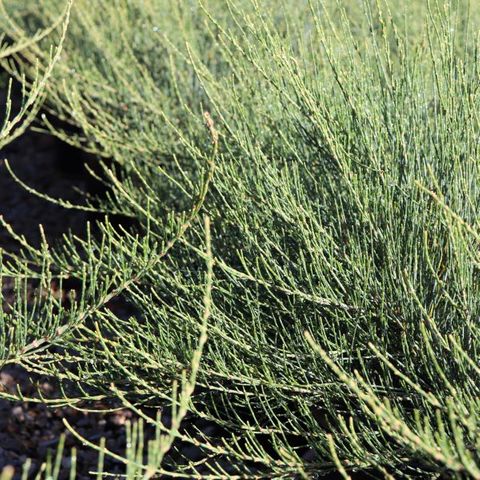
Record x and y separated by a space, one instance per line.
18 414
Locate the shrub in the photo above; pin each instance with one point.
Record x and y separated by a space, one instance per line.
333 147
13 125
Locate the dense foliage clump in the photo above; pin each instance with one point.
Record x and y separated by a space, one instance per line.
301 256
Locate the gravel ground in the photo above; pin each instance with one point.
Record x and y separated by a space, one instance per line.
30 430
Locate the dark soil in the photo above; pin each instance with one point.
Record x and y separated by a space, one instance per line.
44 164
29 430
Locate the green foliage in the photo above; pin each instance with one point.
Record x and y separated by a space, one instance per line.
334 148
15 125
